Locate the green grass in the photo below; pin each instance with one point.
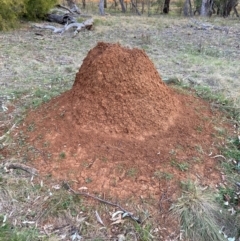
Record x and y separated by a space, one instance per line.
182 166
62 155
144 232
163 175
132 172
9 233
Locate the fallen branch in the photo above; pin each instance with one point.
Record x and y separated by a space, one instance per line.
77 26
67 187
66 8
54 29
23 167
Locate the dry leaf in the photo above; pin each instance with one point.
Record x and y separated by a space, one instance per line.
118 221
99 219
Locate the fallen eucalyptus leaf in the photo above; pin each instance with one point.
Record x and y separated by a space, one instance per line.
125 215
4 218
99 218
117 213
56 187
76 236
118 221
28 222
83 188
121 237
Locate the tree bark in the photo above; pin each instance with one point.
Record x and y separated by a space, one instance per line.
84 4
206 8
134 6
142 7
166 6
101 7
187 8
122 6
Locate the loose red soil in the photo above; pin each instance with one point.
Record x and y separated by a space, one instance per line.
121 131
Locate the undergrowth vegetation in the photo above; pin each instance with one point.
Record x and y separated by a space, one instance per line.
202 215
198 214
11 11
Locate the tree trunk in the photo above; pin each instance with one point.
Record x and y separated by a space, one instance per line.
115 3
187 8
105 3
142 7
122 6
148 7
134 6
206 8
166 6
101 7
235 11
229 6
84 4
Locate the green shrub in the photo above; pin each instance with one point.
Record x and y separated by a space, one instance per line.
10 11
37 9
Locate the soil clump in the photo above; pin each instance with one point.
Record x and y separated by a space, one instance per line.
121 131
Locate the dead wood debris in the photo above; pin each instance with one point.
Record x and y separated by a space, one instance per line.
10 165
66 16
76 26
128 214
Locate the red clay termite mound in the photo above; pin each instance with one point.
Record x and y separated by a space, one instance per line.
121 131
118 90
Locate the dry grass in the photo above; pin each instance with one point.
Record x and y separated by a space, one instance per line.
201 217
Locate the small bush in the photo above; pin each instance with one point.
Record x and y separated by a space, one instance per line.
12 10
198 214
37 9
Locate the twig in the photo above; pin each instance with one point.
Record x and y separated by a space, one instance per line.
220 156
67 187
23 167
8 132
66 8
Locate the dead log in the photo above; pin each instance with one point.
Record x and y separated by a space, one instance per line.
76 26
61 19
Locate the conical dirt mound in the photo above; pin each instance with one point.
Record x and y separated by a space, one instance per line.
118 90
121 131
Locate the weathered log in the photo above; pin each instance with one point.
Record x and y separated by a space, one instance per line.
76 26
62 19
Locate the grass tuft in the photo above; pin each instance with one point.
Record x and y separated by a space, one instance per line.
198 214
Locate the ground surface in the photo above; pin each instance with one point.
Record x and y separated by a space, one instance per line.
117 129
